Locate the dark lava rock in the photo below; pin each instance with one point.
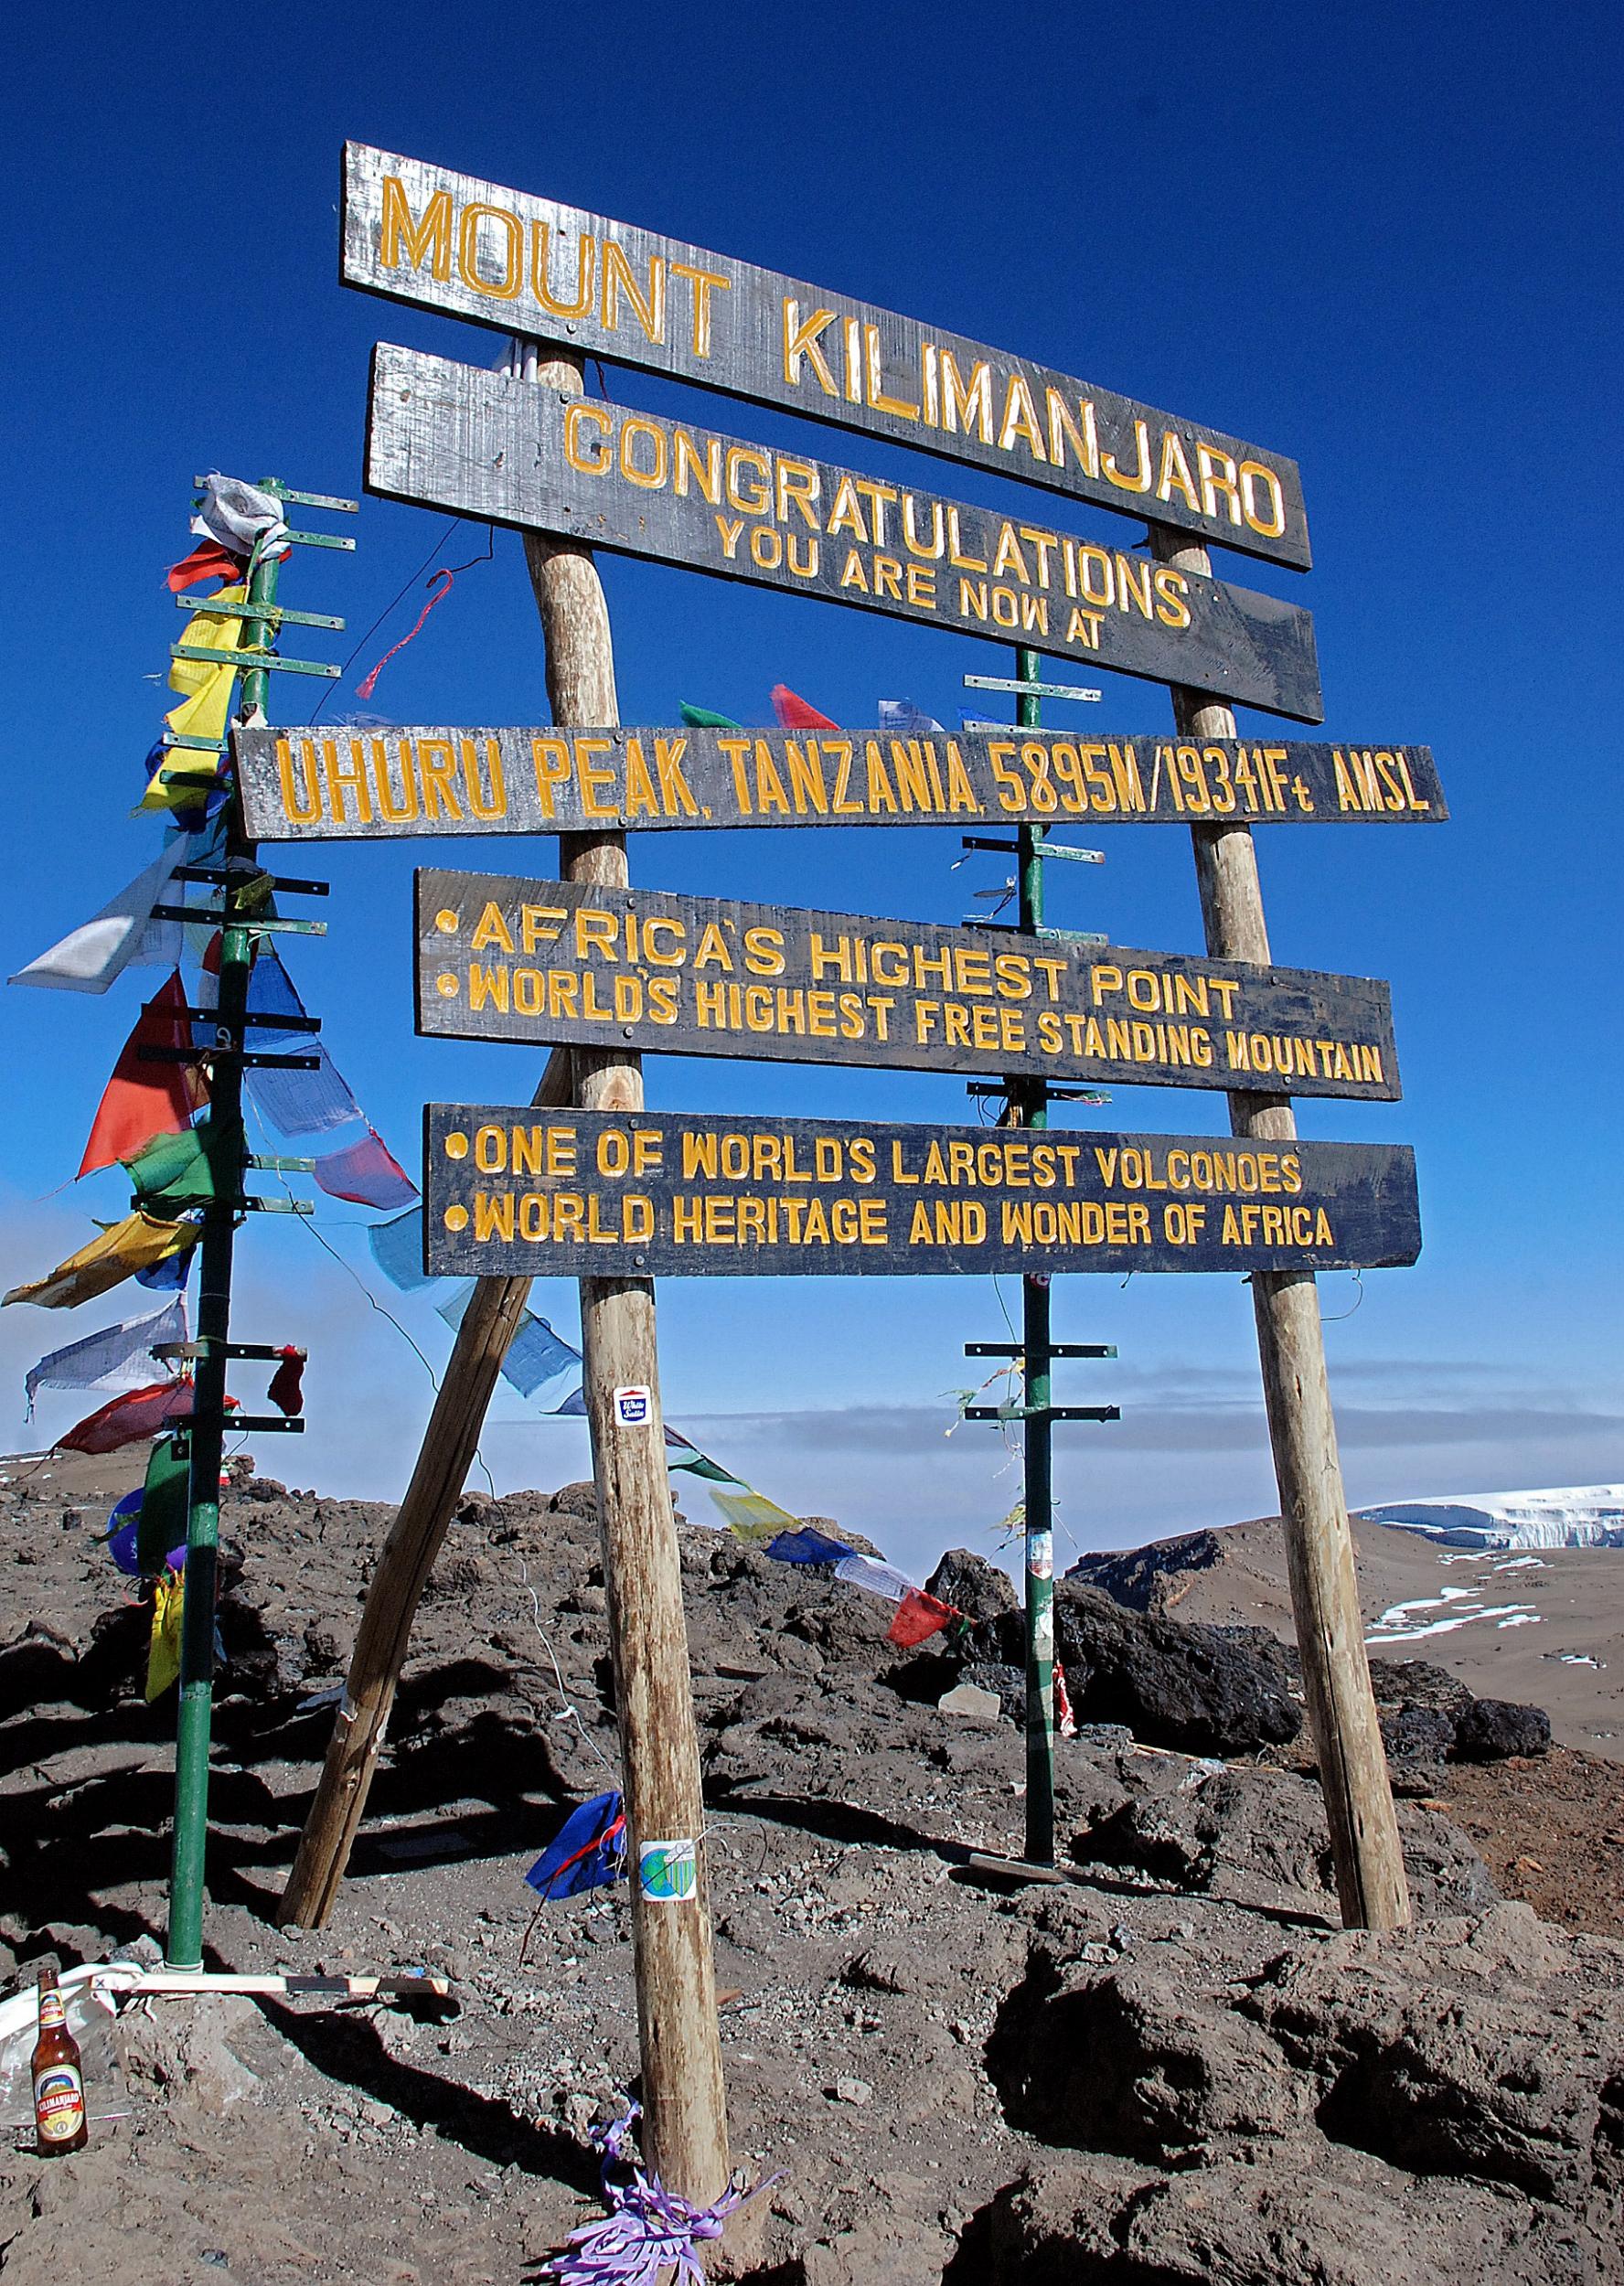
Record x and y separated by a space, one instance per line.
1402 1684
1004 1680
1490 1729
1150 1579
1187 1687
973 1586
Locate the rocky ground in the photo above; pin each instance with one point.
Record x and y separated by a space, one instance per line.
1170 2066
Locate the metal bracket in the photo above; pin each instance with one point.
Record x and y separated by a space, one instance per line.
263 1353
249 1058
279 491
1052 1094
276 614
215 916
1044 848
220 874
256 659
1055 1348
1030 691
1042 1412
263 1423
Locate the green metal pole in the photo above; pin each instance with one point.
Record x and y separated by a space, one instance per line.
1037 1434
208 1404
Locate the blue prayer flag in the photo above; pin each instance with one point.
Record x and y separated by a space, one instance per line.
807 1546
588 1851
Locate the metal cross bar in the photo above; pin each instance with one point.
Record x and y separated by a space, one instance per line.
1056 1349
276 615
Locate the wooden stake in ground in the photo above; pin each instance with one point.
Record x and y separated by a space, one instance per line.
1342 1705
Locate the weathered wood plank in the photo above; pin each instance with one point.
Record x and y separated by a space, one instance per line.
449 436
504 958
670 1195
419 233
378 785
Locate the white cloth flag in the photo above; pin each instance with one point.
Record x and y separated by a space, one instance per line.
123 935
902 719
119 1357
240 515
879 1579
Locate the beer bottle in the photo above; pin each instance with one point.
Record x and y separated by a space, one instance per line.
59 2084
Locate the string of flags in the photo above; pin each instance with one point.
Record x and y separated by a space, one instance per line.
899 718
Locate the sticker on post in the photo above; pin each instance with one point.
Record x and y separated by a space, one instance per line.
667 1872
1040 1555
634 1406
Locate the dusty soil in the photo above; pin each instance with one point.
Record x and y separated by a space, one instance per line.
1170 2067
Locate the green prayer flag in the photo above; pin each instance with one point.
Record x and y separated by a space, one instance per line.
164 1505
200 1162
702 719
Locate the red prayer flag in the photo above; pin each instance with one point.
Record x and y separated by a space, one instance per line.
208 561
919 1617
794 714
286 1389
142 1099
126 1420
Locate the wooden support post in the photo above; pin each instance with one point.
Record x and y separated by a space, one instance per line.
407 1557
1342 1706
684 2106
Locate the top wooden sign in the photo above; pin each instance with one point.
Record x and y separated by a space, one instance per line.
419 233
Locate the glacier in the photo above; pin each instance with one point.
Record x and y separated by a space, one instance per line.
1574 1516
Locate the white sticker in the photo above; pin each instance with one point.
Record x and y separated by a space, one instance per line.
1040 1555
634 1406
667 1872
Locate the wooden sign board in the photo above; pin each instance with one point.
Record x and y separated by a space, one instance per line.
503 450
342 784
421 234
547 963
515 1193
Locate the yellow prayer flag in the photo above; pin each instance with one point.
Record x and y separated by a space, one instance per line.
135 1243
752 1515
209 631
189 777
163 1656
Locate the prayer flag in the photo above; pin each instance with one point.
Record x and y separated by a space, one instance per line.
125 1420
134 1245
902 719
163 1658
201 1163
165 1510
119 1357
398 1250
807 1546
794 714
681 1453
919 1617
208 561
368 1173
209 630
588 1851
145 1099
702 719
241 516
169 1276
288 1384
879 1579
297 1103
536 1354
751 1514
90 956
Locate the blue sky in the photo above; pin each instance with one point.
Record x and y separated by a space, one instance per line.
1381 240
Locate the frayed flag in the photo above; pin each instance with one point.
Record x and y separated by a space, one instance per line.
145 1097
588 1851
367 1172
118 1358
807 1546
89 957
127 1248
899 718
919 1617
